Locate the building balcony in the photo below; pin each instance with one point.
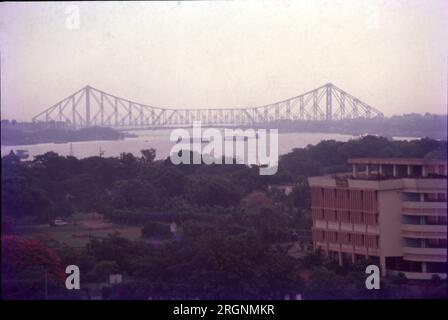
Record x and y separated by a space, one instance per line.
425 204
424 184
320 244
345 227
417 275
333 225
425 254
423 234
425 208
424 231
426 251
348 248
320 224
412 184
333 180
362 250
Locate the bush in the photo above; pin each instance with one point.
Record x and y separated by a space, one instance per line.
102 270
156 230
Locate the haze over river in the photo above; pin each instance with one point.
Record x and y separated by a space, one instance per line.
159 140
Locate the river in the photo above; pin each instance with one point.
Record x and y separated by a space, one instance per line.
159 140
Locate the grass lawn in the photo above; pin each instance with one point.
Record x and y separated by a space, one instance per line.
79 233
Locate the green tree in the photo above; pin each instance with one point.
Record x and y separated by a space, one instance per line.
148 155
133 193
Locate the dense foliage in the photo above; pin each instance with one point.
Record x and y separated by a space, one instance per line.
234 231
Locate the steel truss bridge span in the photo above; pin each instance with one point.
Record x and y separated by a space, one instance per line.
90 107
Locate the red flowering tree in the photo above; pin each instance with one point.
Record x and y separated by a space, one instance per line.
21 257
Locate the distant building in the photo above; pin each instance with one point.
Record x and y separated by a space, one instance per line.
59 222
34 126
392 211
286 189
115 278
173 228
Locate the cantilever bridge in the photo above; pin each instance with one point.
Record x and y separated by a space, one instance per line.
92 107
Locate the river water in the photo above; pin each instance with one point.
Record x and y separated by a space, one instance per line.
159 140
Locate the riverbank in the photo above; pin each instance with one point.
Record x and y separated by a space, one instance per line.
12 137
157 139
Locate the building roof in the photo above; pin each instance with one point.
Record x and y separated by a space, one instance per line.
398 161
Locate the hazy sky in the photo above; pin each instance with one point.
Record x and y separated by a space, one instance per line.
390 54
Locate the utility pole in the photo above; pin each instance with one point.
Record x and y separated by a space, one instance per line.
46 284
0 80
101 152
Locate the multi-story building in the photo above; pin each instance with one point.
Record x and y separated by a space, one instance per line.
392 211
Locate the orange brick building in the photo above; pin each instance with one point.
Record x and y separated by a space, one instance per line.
392 211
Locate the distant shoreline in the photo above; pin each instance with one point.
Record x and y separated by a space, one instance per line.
16 137
415 126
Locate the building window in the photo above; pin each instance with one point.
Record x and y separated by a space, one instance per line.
318 235
435 243
356 218
344 238
371 218
394 263
318 214
358 240
346 258
436 220
410 196
333 255
372 241
374 260
411 266
436 267
430 197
